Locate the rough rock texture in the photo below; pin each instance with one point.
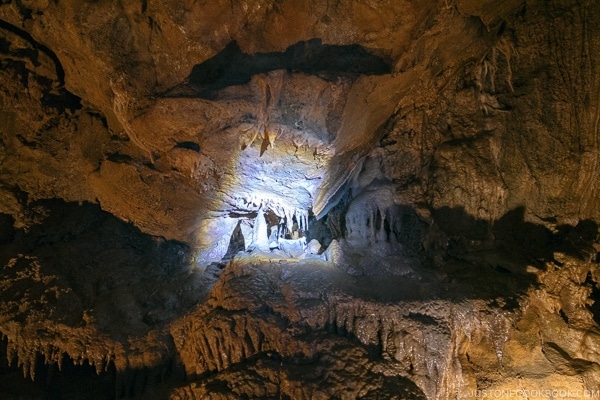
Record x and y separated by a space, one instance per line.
310 331
163 167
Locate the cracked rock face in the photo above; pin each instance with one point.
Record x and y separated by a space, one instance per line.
304 199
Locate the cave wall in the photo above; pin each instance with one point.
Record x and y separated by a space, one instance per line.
480 102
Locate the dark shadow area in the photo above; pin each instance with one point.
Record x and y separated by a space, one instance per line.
455 256
74 381
456 222
318 375
188 146
129 280
61 99
595 296
482 259
578 240
515 237
13 385
233 67
77 262
408 230
119 158
319 229
148 382
7 232
51 383
83 381
53 95
60 72
236 243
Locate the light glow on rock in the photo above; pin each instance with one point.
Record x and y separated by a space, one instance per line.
282 181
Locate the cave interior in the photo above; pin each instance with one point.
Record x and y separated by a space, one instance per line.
299 199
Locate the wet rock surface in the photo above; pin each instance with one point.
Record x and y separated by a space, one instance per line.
304 200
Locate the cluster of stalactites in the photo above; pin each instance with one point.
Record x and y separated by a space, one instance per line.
272 225
266 222
372 223
292 219
26 358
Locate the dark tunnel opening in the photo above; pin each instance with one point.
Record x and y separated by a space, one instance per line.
233 67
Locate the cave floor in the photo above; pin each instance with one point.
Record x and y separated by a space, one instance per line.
196 331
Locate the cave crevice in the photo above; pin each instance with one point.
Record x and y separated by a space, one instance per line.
232 67
60 72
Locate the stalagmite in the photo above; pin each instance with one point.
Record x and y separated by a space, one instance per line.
289 222
247 232
260 240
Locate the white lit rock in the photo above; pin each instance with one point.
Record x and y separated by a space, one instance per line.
313 247
260 240
294 248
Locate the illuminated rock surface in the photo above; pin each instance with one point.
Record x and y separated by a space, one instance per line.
305 200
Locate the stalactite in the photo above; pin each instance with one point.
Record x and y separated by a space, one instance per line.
288 216
259 232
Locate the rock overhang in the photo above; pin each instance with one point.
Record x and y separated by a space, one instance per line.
255 130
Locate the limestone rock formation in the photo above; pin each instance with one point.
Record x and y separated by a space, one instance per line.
299 199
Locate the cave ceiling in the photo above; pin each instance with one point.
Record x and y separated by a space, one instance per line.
176 115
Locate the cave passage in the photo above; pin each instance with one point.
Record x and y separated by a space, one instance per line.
233 67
